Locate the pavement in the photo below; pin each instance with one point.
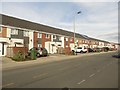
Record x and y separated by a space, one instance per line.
8 63
98 70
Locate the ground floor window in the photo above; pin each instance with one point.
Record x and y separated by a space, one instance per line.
39 45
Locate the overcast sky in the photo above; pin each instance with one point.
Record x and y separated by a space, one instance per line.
98 19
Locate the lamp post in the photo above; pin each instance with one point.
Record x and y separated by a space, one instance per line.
74 27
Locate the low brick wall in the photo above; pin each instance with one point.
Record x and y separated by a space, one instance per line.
67 50
13 50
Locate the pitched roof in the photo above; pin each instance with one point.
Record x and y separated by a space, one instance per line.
12 21
90 38
16 22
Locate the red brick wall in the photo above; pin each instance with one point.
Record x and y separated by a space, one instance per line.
35 39
4 32
11 51
67 49
44 39
72 40
21 49
65 42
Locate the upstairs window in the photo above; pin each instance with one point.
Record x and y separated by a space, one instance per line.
47 35
26 33
71 39
66 42
83 41
66 39
54 36
14 31
39 35
59 37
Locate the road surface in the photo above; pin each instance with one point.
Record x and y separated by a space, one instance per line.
96 71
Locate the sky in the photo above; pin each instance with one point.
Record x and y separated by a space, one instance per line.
97 19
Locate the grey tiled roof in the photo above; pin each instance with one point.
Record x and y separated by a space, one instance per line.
90 38
15 22
12 21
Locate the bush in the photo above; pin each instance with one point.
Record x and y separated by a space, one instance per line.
70 53
19 56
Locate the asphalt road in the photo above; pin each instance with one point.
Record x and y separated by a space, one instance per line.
97 71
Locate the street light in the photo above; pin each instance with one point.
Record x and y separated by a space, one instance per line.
74 28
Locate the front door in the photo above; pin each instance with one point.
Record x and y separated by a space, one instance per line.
1 49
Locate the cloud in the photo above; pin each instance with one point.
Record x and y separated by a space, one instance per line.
96 18
110 36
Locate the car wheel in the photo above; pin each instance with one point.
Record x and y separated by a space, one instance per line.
81 51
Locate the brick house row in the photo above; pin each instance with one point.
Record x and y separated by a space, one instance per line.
16 32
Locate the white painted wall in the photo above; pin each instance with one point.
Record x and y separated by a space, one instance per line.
13 41
62 39
72 46
8 32
101 44
31 40
47 46
52 49
51 37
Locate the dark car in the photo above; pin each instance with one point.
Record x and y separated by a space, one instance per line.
117 55
90 50
39 51
105 49
97 49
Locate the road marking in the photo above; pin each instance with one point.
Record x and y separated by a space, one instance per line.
9 84
37 76
92 75
81 81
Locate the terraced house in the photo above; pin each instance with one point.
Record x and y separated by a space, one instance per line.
24 34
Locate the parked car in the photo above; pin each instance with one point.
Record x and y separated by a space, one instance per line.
81 50
105 49
117 55
90 50
39 51
97 49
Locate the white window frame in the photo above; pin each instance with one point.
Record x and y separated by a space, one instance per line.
39 35
54 37
86 41
59 37
66 39
26 33
14 31
39 45
47 35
